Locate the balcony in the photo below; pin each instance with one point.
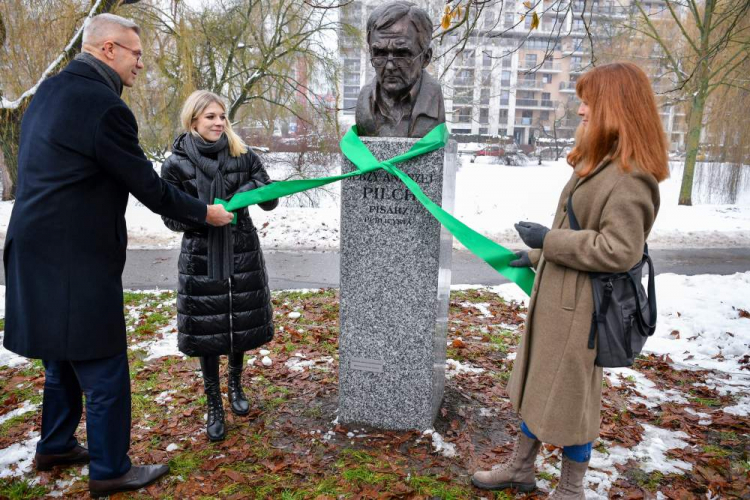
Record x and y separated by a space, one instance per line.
529 85
523 122
463 82
568 123
577 67
609 10
567 86
533 103
527 103
550 68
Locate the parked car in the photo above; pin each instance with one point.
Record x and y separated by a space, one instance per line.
491 150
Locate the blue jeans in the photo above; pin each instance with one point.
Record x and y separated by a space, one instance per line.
577 453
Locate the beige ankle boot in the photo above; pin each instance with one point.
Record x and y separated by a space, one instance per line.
517 472
570 486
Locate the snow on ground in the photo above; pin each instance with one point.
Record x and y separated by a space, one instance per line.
16 460
489 198
705 309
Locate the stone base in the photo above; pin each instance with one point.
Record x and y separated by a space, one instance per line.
395 286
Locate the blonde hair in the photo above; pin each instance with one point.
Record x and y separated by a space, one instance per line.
196 103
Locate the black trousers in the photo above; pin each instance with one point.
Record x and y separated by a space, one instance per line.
106 384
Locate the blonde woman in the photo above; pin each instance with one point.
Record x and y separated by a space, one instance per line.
223 301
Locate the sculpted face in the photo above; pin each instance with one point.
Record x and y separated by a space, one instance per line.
397 57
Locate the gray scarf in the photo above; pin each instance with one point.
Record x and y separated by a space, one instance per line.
110 76
210 183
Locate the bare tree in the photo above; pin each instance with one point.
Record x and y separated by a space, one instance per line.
11 111
704 47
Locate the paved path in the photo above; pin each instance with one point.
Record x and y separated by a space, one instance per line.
148 269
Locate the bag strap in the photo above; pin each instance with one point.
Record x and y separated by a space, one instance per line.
572 216
650 324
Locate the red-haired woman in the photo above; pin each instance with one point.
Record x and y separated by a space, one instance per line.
619 158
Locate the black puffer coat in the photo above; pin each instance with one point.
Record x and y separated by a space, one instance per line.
216 317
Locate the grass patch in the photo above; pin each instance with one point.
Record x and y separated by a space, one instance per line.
710 402
716 450
503 340
13 422
363 475
434 488
186 463
546 476
20 489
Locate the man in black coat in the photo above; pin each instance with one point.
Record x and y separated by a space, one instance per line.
64 253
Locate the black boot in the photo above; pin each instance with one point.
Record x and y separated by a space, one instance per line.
237 399
215 423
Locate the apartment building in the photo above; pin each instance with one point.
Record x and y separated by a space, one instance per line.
509 80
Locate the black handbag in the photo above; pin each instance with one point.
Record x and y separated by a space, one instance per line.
624 316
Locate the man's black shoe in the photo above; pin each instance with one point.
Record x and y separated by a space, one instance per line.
78 455
136 478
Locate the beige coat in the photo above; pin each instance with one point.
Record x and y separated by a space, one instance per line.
555 386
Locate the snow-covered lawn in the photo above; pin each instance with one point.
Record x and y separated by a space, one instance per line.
489 197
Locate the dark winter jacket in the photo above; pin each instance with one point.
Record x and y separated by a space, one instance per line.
65 247
216 317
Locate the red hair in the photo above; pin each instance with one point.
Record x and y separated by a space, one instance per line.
623 121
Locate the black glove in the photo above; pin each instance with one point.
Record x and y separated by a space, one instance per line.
522 261
532 233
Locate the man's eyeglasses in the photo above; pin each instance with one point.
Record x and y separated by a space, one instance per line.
399 62
136 53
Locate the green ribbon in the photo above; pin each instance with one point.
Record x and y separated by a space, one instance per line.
497 256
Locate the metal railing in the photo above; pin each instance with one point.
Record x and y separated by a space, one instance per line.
568 86
527 103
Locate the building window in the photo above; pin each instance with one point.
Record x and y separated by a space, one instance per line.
546 78
462 115
485 96
486 59
463 95
484 116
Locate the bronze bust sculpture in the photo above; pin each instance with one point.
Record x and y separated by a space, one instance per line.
403 100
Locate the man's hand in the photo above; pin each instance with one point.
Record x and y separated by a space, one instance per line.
522 259
532 233
216 215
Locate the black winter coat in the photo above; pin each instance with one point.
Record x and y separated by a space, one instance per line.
217 317
65 248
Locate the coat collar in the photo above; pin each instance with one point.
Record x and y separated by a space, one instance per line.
82 69
601 166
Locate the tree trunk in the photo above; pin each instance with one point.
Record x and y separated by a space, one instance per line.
10 129
695 126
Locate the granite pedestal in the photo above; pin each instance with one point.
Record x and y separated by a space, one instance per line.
395 286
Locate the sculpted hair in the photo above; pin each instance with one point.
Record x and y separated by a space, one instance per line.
98 28
386 15
196 103
623 121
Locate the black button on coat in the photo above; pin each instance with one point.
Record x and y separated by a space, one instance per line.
216 317
65 247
